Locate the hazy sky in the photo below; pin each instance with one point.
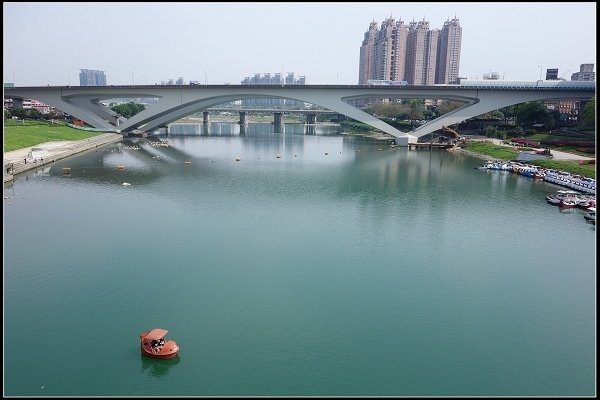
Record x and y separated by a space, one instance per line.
225 42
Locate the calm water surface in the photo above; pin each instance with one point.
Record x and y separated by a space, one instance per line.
334 270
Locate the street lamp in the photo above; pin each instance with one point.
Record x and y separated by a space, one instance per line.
282 80
540 67
14 76
69 73
132 77
205 80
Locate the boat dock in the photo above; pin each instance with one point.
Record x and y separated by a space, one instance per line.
429 146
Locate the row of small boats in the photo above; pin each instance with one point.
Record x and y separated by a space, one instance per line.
566 199
562 178
571 199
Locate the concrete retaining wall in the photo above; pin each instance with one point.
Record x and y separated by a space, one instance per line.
62 152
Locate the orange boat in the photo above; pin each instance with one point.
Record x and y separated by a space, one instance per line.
153 345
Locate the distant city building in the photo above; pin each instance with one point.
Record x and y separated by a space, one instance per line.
275 79
413 53
367 54
491 76
178 81
91 77
29 104
552 74
586 73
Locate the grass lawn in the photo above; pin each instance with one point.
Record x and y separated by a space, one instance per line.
19 135
492 150
571 166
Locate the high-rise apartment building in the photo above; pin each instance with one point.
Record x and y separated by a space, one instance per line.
367 53
384 51
449 52
91 77
413 53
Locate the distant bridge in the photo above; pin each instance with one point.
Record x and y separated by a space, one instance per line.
271 110
83 102
311 114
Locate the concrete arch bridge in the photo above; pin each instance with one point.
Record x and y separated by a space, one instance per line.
175 102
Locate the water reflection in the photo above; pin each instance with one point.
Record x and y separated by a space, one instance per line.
234 129
158 368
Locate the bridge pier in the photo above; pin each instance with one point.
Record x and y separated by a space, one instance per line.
242 120
405 141
277 118
311 118
205 117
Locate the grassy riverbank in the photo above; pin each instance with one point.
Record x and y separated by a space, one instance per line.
490 150
19 134
571 166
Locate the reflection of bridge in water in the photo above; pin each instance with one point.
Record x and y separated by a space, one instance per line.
250 129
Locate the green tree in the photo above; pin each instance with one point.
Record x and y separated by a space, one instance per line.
589 113
533 112
128 110
491 131
389 110
448 105
416 110
509 113
19 112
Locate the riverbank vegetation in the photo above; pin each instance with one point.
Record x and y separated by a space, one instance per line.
492 150
508 153
19 134
570 166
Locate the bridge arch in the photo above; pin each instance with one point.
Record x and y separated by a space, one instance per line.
179 101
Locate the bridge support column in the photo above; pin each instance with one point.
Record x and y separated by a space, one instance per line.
311 118
404 141
277 118
205 117
242 120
